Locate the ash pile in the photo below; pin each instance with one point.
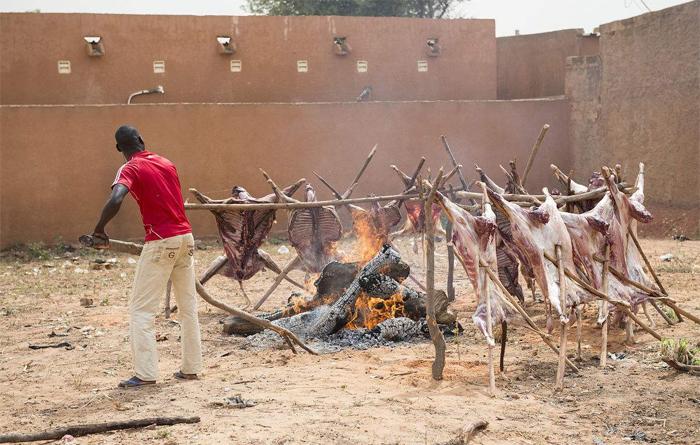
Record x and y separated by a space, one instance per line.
356 306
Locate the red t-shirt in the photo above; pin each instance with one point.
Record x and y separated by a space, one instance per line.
152 181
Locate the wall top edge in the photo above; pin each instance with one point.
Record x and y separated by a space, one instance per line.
639 20
243 17
292 104
578 31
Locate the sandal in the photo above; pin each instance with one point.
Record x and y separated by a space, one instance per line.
182 376
135 382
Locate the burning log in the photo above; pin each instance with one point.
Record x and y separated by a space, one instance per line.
354 297
328 319
334 279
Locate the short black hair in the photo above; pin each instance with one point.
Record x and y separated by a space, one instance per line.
128 138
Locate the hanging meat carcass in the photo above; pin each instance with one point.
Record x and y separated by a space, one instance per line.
415 212
313 233
533 232
506 258
242 232
474 240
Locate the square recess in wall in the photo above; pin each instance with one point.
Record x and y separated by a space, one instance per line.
302 66
361 66
236 66
159 66
64 67
422 66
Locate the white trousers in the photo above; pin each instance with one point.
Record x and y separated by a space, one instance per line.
169 258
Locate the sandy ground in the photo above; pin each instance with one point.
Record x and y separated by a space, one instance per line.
378 396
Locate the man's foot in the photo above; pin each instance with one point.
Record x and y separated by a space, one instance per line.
135 382
182 376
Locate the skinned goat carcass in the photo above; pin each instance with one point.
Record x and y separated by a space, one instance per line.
508 264
635 264
533 232
474 239
242 232
313 233
623 212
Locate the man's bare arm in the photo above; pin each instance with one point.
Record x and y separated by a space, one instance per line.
110 209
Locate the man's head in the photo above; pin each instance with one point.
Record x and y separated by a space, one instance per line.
128 140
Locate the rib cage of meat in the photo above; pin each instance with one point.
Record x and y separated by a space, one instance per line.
378 219
243 231
534 232
474 238
313 233
416 215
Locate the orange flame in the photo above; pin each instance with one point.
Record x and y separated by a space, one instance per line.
368 241
370 311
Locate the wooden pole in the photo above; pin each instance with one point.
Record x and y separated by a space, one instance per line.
288 336
450 263
291 265
657 296
450 254
604 328
297 205
646 261
483 293
562 302
622 305
533 153
168 289
652 272
435 333
579 322
340 202
462 180
94 428
359 174
530 322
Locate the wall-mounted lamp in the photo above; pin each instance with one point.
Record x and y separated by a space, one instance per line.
433 47
340 46
157 90
94 46
226 45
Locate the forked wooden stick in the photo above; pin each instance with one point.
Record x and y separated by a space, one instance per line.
435 333
288 336
533 153
530 322
624 306
604 329
289 267
462 180
657 280
559 386
359 174
668 301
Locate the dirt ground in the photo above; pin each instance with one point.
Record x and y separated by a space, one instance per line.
377 396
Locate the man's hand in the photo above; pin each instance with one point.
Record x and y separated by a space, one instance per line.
100 240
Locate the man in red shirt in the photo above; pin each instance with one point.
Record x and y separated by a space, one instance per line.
167 255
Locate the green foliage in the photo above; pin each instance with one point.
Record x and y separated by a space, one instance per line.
370 8
682 351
